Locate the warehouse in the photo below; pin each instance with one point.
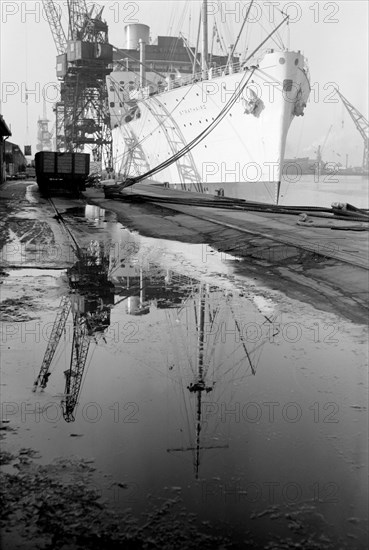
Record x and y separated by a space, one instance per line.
4 133
15 161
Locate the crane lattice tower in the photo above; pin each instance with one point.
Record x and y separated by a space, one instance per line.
362 125
83 62
44 136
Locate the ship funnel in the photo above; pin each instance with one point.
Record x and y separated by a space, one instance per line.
134 33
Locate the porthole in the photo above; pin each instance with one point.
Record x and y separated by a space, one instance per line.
282 60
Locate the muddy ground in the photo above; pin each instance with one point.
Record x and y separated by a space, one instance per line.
57 504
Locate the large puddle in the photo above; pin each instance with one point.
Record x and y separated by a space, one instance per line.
183 380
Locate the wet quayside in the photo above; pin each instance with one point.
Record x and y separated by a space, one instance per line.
201 388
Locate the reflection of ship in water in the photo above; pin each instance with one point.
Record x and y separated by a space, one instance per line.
196 313
150 286
90 300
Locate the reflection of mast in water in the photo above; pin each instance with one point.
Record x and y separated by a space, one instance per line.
200 386
205 355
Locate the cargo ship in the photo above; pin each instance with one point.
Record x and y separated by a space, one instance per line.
219 130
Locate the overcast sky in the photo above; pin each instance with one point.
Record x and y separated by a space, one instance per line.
332 35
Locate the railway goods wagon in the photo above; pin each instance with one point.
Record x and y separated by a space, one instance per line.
61 172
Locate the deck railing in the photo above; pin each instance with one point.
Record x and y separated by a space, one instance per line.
188 79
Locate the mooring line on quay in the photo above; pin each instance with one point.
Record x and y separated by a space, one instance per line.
285 241
180 206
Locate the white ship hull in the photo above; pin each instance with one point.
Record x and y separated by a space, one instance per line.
242 155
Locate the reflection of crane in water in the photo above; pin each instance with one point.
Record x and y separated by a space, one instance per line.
208 370
90 301
90 304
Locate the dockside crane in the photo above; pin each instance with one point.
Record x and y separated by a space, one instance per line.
361 124
84 60
53 18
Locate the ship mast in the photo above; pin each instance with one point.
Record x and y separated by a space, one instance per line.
204 56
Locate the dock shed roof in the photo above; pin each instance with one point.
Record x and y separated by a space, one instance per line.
4 128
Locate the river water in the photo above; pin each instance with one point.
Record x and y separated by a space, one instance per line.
201 387
322 190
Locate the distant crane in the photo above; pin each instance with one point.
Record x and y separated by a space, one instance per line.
361 124
44 136
83 62
320 149
319 165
